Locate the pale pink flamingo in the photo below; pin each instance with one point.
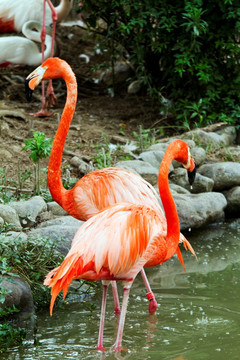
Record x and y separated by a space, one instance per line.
98 189
14 14
117 242
18 50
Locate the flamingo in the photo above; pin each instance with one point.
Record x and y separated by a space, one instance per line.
117 242
98 189
14 14
22 50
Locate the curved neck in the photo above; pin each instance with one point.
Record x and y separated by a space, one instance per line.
173 226
63 9
32 30
55 185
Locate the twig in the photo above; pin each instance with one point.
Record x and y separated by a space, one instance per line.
15 189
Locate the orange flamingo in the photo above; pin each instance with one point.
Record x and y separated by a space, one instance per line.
96 190
117 242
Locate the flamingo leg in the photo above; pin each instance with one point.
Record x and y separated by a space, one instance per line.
43 112
50 97
115 298
102 318
118 343
150 295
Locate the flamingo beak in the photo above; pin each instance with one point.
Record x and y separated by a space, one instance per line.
32 80
191 172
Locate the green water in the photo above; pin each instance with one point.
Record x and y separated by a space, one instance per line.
198 316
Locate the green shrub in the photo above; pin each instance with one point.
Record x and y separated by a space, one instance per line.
183 51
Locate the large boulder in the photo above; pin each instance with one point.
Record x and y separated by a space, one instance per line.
233 201
201 183
29 210
196 210
224 174
10 217
18 294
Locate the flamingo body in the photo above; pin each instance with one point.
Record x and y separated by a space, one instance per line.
15 13
112 245
19 50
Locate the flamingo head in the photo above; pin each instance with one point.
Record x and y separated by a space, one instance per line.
50 69
184 156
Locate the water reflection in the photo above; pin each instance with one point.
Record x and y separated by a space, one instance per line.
198 315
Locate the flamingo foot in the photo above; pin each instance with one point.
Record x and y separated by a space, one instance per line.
101 348
42 113
117 310
152 303
51 99
152 306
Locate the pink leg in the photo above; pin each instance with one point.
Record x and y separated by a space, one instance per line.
51 98
103 309
115 298
118 343
43 112
152 301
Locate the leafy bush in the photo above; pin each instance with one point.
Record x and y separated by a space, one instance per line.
183 51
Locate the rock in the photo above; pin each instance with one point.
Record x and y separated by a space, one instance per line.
153 158
56 209
233 201
10 216
1 221
12 236
224 174
134 87
147 171
178 189
199 155
232 153
81 165
122 72
229 134
61 230
212 139
162 146
29 210
18 294
196 210
201 183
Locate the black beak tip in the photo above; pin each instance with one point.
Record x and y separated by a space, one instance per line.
191 176
28 91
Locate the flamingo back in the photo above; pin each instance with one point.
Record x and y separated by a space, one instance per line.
99 189
112 245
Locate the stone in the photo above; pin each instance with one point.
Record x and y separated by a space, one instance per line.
134 87
153 158
56 209
61 230
10 216
201 183
29 210
147 171
233 201
18 294
224 174
199 155
162 146
196 210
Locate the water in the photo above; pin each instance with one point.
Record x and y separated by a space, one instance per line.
198 316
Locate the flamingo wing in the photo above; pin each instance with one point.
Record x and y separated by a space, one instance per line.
99 189
109 246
